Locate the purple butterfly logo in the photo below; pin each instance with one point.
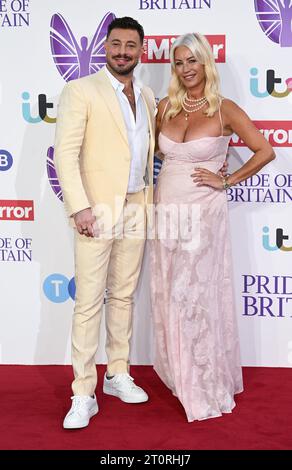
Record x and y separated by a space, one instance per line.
74 61
275 19
52 175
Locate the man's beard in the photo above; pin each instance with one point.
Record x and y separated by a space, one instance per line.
126 70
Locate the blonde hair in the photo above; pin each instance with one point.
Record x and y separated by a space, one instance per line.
201 50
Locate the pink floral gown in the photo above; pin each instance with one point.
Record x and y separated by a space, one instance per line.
196 339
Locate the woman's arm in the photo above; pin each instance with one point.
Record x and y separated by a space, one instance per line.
237 121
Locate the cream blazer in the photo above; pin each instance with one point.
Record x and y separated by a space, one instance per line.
92 155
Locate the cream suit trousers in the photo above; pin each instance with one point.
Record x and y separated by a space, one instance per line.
112 262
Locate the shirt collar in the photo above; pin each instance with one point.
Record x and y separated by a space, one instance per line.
117 85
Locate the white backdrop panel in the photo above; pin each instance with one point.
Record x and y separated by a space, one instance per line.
35 323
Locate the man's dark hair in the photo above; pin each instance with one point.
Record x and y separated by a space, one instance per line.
126 23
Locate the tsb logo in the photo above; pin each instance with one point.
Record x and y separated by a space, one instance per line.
16 210
280 237
58 288
6 160
43 107
157 48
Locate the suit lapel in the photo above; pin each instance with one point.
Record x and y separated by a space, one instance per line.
106 90
149 113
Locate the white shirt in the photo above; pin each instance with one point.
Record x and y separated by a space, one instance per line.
137 131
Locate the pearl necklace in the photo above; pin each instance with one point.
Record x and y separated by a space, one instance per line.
198 104
199 100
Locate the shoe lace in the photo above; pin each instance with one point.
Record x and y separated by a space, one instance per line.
126 379
78 402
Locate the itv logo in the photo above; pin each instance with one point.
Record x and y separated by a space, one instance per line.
43 107
271 81
279 240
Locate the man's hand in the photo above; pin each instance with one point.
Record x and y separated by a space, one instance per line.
84 221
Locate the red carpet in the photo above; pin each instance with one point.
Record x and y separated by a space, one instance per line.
35 399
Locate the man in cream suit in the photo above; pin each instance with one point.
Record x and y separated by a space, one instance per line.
104 159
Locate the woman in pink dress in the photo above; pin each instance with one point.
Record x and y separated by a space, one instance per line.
197 347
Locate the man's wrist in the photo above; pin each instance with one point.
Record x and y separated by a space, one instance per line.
78 212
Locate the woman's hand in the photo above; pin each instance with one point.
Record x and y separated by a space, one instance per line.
223 169
204 177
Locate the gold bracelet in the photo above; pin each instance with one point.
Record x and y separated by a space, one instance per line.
226 185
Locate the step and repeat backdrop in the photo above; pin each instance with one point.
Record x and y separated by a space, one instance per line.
45 43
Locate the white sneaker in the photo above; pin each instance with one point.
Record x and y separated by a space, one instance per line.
82 409
123 387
